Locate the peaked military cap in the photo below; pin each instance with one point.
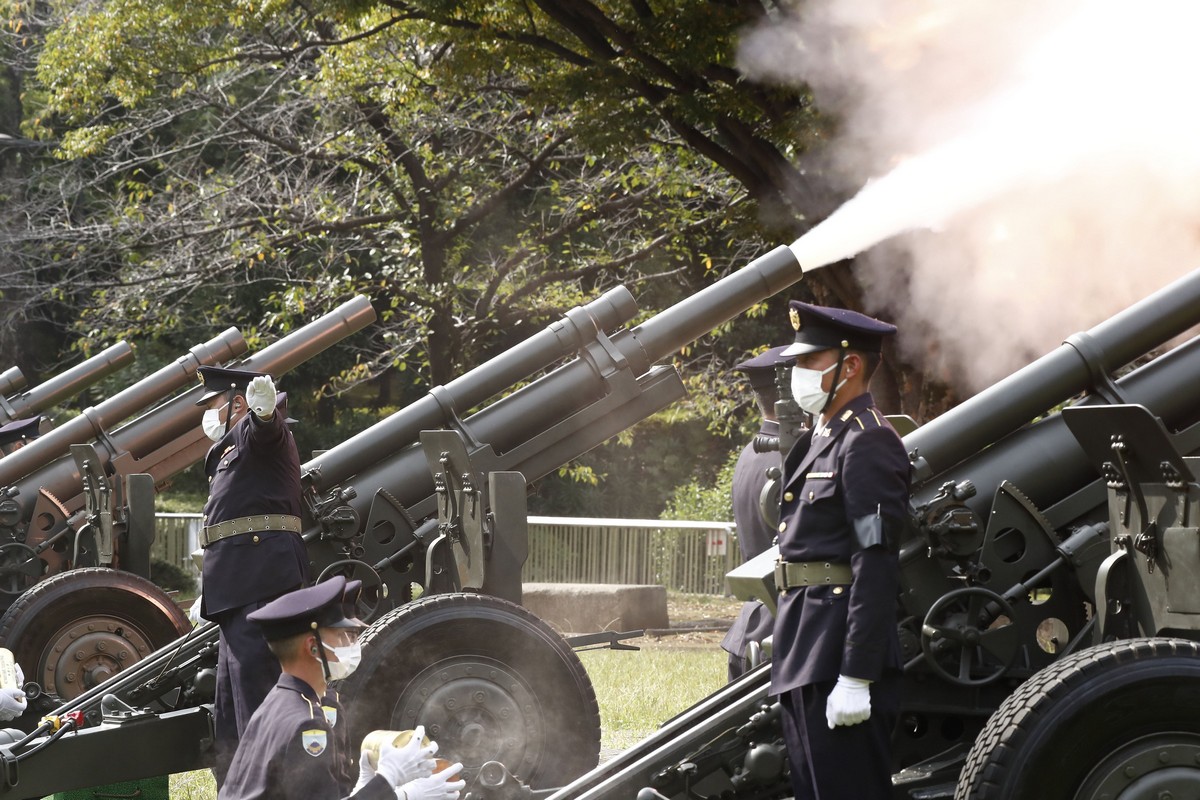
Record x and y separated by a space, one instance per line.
760 370
320 606
823 328
216 380
28 428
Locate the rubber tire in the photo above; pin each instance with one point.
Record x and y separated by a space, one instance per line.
41 615
416 646
1048 735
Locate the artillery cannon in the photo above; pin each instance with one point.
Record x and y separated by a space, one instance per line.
1026 598
1010 531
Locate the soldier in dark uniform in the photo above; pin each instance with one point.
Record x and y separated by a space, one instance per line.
252 548
295 744
836 661
754 533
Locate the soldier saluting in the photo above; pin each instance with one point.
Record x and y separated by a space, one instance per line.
836 662
253 552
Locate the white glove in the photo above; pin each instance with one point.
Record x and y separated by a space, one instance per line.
849 703
365 771
403 764
437 786
12 701
194 611
260 396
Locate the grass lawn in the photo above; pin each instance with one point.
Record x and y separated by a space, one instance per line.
637 690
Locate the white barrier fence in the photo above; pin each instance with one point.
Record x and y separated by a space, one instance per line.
682 555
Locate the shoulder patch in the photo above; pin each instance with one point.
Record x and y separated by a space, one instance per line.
330 715
314 742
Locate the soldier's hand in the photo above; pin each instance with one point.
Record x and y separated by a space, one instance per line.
12 701
403 764
849 703
365 771
260 396
438 786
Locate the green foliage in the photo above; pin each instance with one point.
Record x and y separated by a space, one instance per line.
475 168
172 577
637 692
705 498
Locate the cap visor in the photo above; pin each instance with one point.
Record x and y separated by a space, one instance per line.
204 398
354 623
802 348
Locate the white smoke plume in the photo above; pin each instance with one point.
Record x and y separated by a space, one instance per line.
1031 166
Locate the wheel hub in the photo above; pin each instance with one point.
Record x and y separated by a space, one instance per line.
477 710
1164 766
20 568
90 651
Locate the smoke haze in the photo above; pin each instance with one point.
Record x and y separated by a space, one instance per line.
1030 166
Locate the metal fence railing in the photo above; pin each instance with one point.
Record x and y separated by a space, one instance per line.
682 555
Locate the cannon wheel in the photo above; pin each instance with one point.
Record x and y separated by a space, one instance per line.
1119 719
488 680
78 628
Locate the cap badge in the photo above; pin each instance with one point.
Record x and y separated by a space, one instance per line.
794 316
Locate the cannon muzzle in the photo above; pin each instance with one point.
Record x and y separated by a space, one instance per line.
12 380
65 384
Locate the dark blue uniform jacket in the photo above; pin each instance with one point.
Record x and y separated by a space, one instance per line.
845 495
754 536
295 747
254 469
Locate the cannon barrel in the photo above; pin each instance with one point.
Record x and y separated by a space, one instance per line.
94 420
1046 462
12 380
1074 367
370 454
167 438
68 383
563 337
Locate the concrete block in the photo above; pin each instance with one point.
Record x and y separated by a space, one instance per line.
592 607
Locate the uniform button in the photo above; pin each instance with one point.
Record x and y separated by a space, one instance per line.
256 538
782 527
788 497
837 590
810 496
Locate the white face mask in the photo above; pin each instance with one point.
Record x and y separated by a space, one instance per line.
348 658
807 391
212 425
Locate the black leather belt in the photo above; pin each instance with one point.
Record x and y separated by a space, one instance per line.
258 522
793 574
